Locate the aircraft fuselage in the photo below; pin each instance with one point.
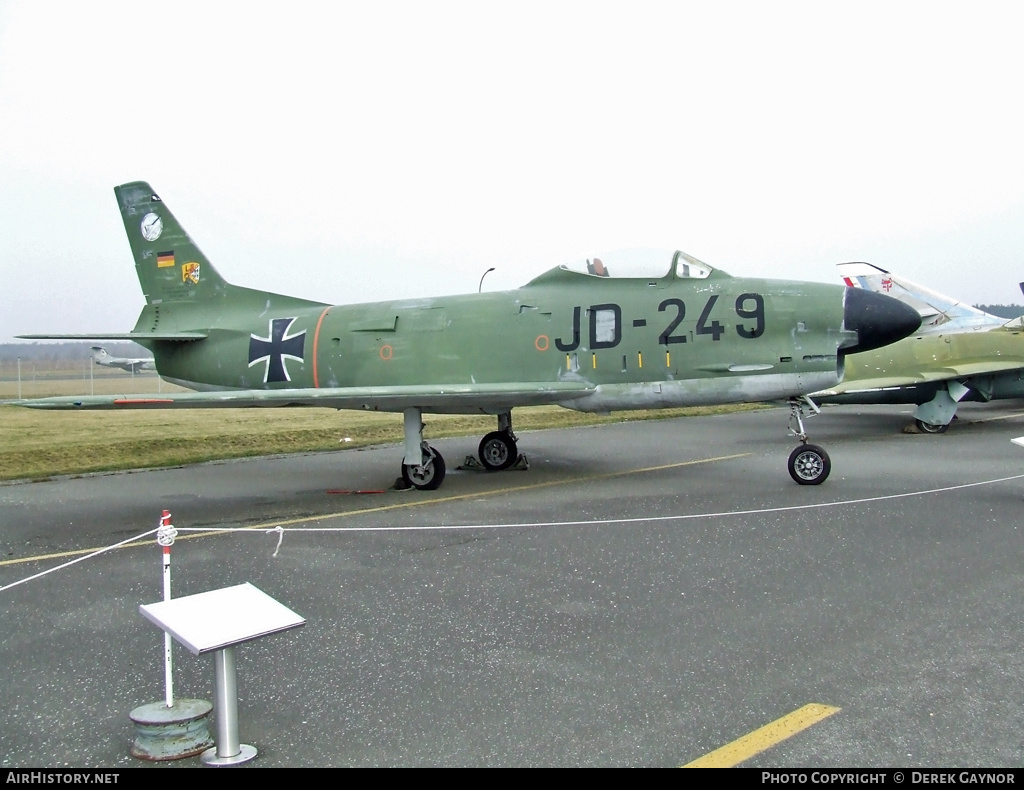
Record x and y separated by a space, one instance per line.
581 338
642 343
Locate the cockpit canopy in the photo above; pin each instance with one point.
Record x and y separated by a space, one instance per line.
641 263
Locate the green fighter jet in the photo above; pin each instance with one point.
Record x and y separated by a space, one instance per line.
959 354
613 335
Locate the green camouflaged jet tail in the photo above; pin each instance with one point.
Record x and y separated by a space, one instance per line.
170 266
185 295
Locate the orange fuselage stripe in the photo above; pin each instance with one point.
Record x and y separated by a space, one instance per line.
316 340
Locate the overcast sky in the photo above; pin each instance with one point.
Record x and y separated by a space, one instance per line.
363 151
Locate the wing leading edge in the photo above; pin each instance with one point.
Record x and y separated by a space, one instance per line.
444 399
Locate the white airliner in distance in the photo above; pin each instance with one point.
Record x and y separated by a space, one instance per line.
132 365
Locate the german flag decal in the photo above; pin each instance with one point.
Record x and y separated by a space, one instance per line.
164 259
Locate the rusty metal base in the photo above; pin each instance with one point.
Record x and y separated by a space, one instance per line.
171 733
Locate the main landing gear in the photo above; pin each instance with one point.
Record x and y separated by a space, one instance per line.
426 475
423 466
499 450
809 464
935 416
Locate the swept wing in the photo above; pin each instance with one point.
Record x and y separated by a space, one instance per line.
450 399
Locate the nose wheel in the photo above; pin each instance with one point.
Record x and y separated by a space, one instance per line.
809 464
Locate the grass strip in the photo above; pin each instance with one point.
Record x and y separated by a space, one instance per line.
37 445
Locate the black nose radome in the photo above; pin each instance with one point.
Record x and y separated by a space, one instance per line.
877 319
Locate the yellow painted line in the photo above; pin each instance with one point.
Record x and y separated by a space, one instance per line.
732 754
384 508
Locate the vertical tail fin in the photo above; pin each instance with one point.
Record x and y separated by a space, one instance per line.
170 267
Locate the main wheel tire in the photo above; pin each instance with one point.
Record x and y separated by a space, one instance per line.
809 465
928 427
428 476
497 451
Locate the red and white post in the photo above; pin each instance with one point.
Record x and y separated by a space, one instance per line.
165 535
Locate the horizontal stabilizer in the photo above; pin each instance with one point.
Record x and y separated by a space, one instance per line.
134 336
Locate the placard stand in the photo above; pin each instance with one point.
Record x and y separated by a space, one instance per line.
216 622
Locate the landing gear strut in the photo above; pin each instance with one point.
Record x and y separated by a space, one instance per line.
935 416
423 466
809 464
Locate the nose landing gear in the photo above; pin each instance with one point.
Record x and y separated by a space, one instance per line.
809 464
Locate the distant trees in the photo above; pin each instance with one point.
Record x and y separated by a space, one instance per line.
1003 310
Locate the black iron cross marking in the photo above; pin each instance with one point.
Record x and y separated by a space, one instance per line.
275 348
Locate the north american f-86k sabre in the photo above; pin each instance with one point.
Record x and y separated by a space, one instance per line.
617 332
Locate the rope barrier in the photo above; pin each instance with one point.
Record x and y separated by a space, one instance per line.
279 530
79 559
